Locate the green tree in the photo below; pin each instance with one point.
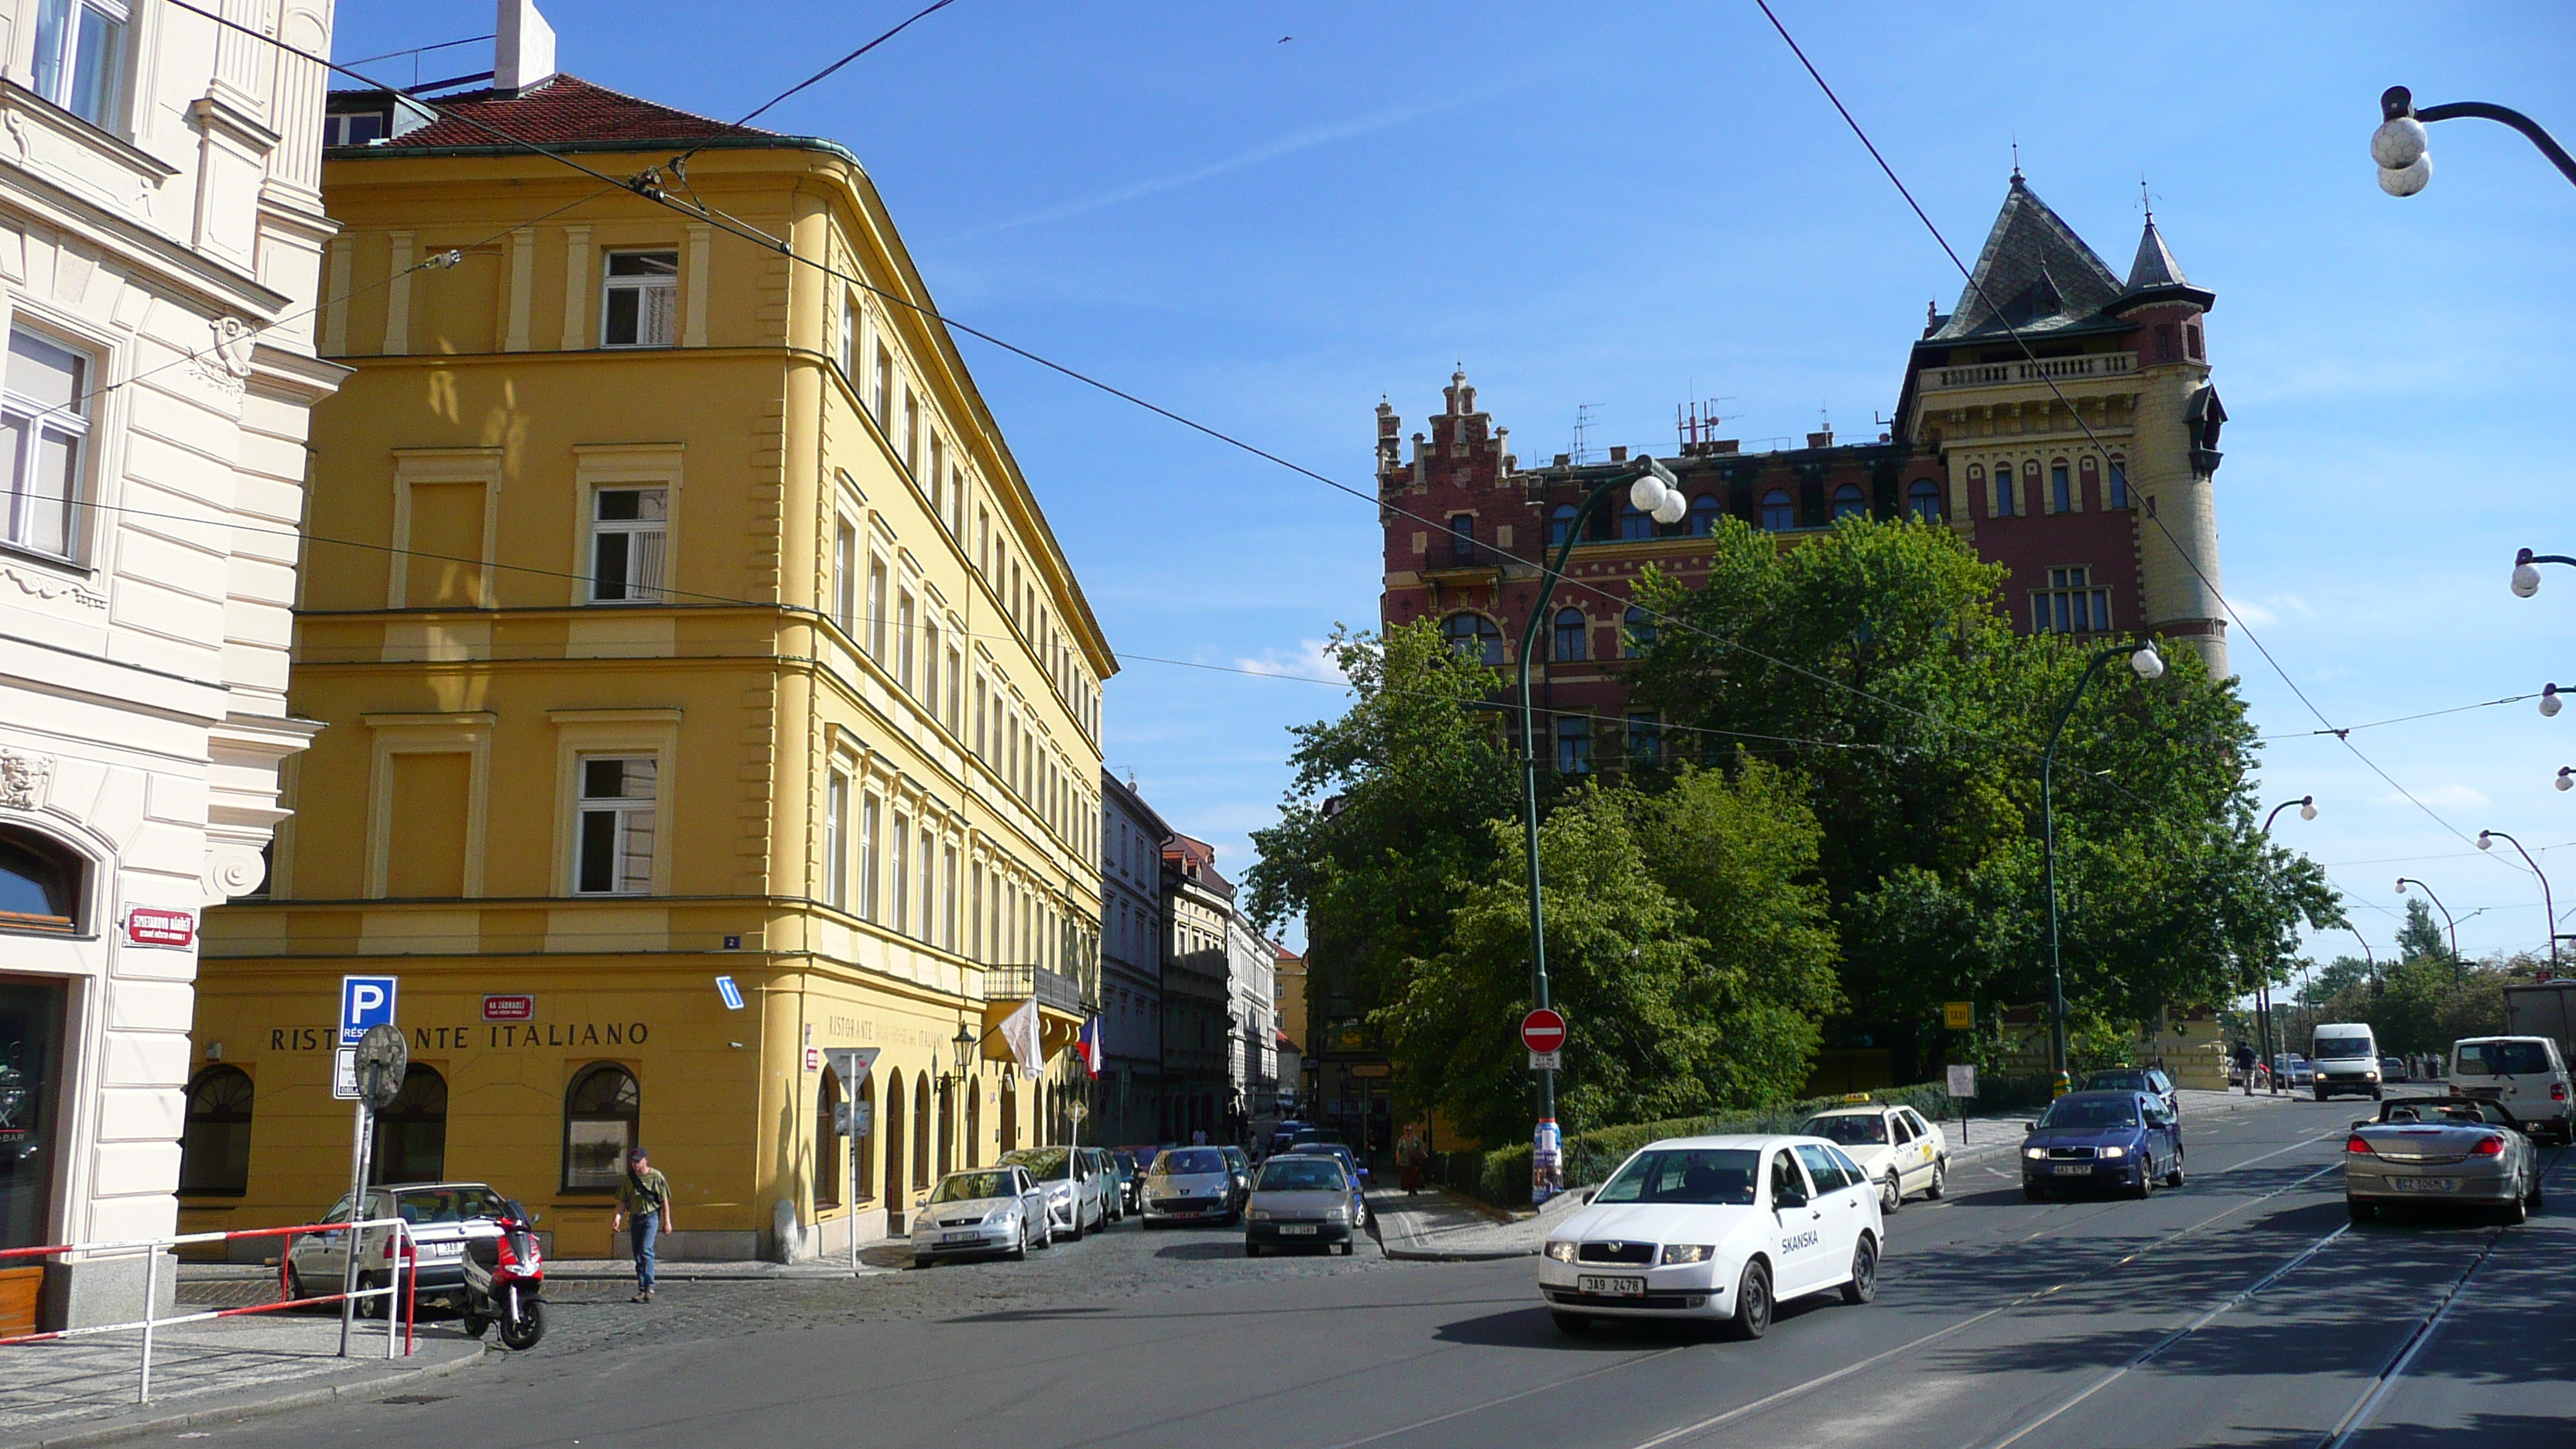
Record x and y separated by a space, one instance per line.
2421 938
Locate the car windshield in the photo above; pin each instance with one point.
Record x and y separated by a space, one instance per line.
1126 1161
2091 1112
2501 1058
447 1204
1706 1176
2339 1048
1047 1164
965 1186
1302 1174
1186 1161
2117 1082
2469 1113
1849 1130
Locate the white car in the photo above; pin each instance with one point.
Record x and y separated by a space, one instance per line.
1896 1149
982 1210
1716 1227
2524 1073
1076 1183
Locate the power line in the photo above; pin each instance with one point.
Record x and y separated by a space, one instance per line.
2401 719
822 74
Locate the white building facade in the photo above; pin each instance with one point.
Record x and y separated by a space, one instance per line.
1253 1010
161 229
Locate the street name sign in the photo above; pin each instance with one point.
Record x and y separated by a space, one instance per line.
515 1007
1543 1032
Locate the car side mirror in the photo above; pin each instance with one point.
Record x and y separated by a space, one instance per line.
2028 1128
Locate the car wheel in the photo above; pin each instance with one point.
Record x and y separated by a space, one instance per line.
1940 1182
2375 1095
920 1260
2514 1211
2033 1192
2357 1210
1046 1234
2533 1198
1020 1250
2173 1174
2321 1094
2146 1178
1891 1197
1251 1249
1347 1248
295 1288
1569 1322
1074 1234
1752 1317
1864 1272
369 1307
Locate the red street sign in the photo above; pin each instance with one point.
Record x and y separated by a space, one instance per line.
509 1008
1543 1030
147 926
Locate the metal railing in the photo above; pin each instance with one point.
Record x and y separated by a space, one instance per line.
1053 989
2039 370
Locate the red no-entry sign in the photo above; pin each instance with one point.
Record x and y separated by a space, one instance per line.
1543 1030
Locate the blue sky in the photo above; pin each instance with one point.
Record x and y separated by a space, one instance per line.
1627 205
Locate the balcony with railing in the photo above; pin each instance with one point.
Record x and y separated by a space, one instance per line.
1054 990
2083 367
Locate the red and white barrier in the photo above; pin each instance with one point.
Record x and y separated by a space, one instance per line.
402 1282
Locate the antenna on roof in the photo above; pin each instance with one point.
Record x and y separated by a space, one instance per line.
2016 153
1581 452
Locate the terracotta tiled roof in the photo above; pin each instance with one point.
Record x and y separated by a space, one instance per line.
563 111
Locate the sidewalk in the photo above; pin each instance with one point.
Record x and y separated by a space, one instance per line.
1442 1226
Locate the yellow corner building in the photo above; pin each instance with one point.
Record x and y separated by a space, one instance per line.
675 610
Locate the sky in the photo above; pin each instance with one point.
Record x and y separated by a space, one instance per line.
1267 216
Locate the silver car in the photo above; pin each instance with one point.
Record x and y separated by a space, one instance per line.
982 1210
1076 1187
2448 1151
1190 1184
1300 1201
439 1217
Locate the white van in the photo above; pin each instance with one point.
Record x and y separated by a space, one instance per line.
2523 1073
2347 1060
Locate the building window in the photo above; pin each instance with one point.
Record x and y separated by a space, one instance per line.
926 913
2070 604
1560 524
1779 514
1704 511
906 627
836 841
948 898
2119 484
868 827
411 1133
602 1110
850 341
614 833
1573 744
900 864
882 395
1849 502
2003 490
642 302
39 885
1923 500
1639 635
629 538
2191 340
938 469
956 691
1570 629
1462 538
845 577
214 1145
44 413
930 667
2061 491
877 609
827 1140
1634 525
1645 737
80 58
911 441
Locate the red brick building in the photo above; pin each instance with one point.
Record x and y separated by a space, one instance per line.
2082 466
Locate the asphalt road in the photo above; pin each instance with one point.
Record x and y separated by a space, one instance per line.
2239 1310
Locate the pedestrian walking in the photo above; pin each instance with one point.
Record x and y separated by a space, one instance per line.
644 1210
2245 1066
1409 1157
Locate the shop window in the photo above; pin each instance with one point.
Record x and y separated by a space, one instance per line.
974 1124
1850 502
411 1133
641 304
614 832
602 1111
1639 634
80 58
629 539
1779 514
827 1142
44 420
31 1033
1570 629
40 883
1704 511
214 1145
1011 1118
947 1125
1923 500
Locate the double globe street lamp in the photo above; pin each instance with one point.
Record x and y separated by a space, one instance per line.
2147 664
2402 149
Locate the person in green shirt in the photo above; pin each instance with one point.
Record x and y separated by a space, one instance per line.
644 1210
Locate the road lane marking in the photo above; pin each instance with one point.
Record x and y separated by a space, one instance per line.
1509 1398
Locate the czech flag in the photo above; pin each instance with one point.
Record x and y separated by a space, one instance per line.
1091 1046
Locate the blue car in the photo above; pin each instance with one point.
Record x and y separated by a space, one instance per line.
2131 1141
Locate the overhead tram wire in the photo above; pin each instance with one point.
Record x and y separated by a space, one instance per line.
647 186
2024 344
2401 719
819 76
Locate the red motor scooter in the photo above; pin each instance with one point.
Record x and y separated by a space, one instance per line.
503 1277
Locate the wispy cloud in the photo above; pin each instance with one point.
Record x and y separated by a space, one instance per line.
1311 660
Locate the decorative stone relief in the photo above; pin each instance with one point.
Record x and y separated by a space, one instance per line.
225 361
232 871
39 586
25 779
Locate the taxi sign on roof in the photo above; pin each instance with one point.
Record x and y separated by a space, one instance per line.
1856 1098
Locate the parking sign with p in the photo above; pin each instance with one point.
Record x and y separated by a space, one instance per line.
365 1001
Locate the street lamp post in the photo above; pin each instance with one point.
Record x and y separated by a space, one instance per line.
2486 841
2458 973
2147 664
2263 989
2400 145
2307 811
1653 490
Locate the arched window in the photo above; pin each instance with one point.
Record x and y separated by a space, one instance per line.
1011 1117
947 1125
897 1195
1639 633
214 1146
974 1125
1560 524
1923 500
920 1132
1475 636
866 1145
1850 502
1569 635
39 883
2061 490
411 1133
1703 514
1779 514
602 1109
827 1142
1634 525
2119 483
2003 490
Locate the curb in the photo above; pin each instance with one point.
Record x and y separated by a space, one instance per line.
283 1403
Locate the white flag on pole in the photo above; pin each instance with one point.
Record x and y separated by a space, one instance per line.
1020 1034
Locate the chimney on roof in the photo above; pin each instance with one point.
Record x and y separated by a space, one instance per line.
523 48
1824 439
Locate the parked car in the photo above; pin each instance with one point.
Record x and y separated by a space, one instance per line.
2289 1069
982 1210
1897 1150
2393 1069
1242 1164
1284 1136
1340 1156
1075 1187
1301 1200
1719 1228
2525 1073
2448 1151
441 1218
1131 1180
1190 1184
2102 1139
2135 1079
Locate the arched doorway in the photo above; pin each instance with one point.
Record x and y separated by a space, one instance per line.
1010 1116
411 1133
895 1195
866 1145
947 1125
920 1132
827 1142
974 1124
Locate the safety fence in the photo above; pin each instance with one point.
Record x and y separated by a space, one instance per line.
398 1254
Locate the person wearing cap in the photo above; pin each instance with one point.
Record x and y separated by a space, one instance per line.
644 1210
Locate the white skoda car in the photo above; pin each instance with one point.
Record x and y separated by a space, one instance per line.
1716 1227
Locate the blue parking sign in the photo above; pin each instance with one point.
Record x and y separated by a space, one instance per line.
365 1001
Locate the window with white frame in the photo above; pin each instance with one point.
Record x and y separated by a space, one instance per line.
882 393
930 667
877 609
956 691
948 897
613 834
926 914
629 531
900 864
933 480
641 304
836 841
906 627
868 825
80 58
44 415
845 577
850 341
